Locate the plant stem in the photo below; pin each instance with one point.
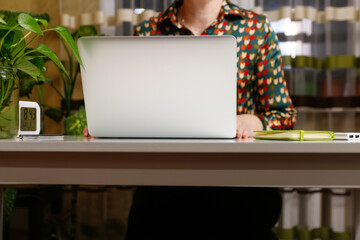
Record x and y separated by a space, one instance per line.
68 79
41 95
13 61
16 57
57 91
3 96
22 39
68 106
66 49
65 80
75 78
71 64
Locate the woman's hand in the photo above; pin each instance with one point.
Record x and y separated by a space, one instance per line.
246 124
86 132
87 136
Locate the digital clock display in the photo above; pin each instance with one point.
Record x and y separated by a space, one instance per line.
28 119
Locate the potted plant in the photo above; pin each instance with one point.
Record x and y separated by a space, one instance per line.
17 32
72 110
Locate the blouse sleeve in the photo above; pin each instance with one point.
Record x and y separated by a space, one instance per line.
273 103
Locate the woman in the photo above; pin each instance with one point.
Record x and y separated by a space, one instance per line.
263 102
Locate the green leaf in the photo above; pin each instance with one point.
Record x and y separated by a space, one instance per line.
39 63
7 27
43 49
29 57
11 17
8 36
64 33
9 39
43 22
20 46
44 16
11 21
35 54
29 23
26 85
28 68
2 21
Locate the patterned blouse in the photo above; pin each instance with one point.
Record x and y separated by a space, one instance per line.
260 79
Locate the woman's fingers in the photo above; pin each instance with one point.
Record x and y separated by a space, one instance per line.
246 124
241 133
86 132
245 134
238 133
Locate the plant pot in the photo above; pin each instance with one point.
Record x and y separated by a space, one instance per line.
9 102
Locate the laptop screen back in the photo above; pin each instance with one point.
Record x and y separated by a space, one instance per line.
160 87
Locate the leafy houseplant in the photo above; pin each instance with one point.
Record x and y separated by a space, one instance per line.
17 32
77 120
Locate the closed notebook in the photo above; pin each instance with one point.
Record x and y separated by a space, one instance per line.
295 135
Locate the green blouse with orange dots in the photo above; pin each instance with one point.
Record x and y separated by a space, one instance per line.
262 89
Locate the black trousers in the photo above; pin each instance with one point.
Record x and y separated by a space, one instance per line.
209 213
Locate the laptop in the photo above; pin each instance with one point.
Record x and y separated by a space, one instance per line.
160 87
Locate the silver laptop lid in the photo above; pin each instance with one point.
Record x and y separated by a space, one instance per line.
160 87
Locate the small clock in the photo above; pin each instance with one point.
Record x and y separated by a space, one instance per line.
29 118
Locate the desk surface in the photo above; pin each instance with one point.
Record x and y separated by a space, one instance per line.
80 144
75 160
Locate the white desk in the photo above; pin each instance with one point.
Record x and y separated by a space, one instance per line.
182 162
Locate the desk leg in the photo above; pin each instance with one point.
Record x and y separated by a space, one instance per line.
356 214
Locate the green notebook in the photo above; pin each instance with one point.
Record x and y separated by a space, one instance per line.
295 135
